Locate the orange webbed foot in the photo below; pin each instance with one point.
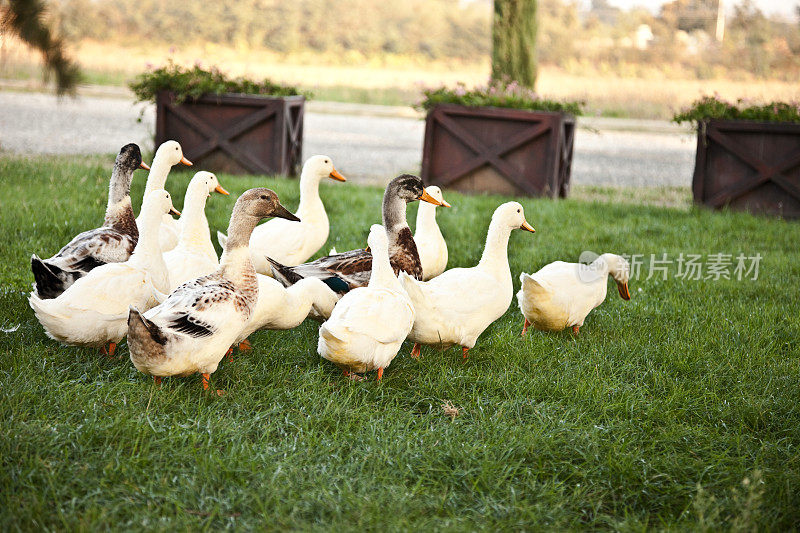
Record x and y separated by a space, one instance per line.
245 346
206 377
416 351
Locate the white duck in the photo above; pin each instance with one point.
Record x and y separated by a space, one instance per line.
193 328
93 311
168 155
561 295
279 307
431 245
292 243
457 306
194 256
369 324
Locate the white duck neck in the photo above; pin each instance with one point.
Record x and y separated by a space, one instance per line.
159 171
495 253
193 222
426 219
601 264
382 275
311 208
147 253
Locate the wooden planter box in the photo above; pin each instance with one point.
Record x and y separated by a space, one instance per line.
752 166
506 151
235 133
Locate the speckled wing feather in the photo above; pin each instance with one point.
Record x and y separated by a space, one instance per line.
198 307
93 248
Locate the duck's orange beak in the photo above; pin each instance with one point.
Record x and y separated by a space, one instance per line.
174 212
144 165
334 175
186 161
425 197
220 190
623 291
527 227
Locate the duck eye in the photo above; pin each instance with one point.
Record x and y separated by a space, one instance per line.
263 196
517 210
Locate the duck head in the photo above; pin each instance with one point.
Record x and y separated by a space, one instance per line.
172 152
512 214
378 241
436 193
320 167
212 183
262 203
130 158
409 188
203 184
157 203
620 270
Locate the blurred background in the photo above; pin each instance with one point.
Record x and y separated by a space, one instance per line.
635 60
625 58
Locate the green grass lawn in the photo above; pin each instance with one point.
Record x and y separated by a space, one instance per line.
676 410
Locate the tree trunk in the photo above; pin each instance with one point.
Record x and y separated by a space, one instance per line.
514 41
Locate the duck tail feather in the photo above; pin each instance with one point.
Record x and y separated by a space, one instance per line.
283 273
50 280
145 339
222 239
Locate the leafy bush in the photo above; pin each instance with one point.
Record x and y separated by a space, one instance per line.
496 94
192 83
714 107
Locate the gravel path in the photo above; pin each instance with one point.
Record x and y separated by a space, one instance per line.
368 144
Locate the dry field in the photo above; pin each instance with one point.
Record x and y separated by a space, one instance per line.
398 79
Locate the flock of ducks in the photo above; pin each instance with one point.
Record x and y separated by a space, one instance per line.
158 280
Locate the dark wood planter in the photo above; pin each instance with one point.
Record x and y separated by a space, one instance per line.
497 150
235 133
751 166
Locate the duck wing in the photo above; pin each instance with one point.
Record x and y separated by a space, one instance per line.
201 307
382 314
341 272
93 248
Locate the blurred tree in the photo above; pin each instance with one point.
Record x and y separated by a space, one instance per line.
514 41
26 19
690 15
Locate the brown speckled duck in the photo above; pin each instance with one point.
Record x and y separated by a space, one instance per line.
193 328
346 271
113 242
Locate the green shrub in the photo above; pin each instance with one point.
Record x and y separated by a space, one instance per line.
714 107
192 83
496 94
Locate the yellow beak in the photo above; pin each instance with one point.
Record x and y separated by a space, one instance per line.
144 165
186 162
623 291
175 212
334 175
220 190
527 226
425 197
